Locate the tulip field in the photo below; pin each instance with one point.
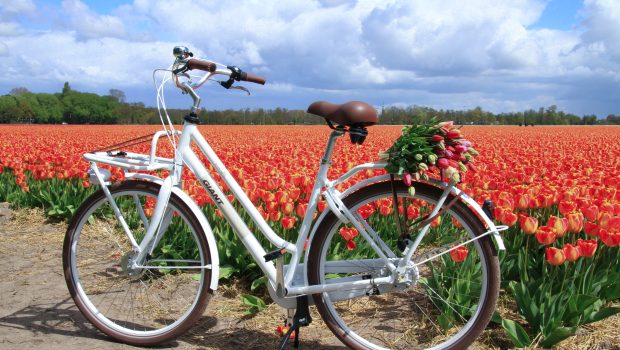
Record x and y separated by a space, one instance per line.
557 187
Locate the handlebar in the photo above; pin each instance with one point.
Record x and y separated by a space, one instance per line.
207 66
185 61
253 78
234 72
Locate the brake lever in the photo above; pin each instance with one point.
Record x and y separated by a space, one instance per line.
242 88
228 84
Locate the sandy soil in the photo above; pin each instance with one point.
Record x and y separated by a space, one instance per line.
37 312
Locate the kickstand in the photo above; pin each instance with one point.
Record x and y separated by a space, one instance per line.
301 319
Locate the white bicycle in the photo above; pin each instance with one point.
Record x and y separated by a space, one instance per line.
384 269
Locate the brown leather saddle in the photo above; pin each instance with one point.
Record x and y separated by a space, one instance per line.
354 113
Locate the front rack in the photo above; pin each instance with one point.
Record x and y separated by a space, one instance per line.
134 161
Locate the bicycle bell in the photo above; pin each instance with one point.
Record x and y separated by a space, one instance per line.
181 52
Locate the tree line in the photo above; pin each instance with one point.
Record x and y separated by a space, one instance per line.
74 107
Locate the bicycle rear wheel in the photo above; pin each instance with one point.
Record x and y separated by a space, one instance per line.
153 302
443 303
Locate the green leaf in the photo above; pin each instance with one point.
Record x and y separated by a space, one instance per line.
258 282
226 271
256 304
557 335
444 321
603 314
517 334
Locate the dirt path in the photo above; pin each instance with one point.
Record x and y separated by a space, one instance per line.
36 311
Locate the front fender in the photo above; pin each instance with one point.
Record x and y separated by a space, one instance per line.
195 209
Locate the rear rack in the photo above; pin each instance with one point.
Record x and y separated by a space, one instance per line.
134 161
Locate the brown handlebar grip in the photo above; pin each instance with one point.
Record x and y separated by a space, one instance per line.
194 63
253 78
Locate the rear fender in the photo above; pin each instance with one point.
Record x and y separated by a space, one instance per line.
440 184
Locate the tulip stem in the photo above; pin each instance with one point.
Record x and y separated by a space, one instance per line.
527 247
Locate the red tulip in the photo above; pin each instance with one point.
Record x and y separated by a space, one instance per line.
546 235
437 138
587 247
351 245
591 229
591 213
555 256
459 254
566 207
454 134
610 238
407 179
509 218
571 252
443 163
529 225
366 211
348 233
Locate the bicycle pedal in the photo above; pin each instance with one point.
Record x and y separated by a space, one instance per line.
274 254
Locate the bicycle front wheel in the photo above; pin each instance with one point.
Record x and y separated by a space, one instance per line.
443 301
137 302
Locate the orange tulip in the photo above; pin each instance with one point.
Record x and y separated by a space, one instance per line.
301 209
559 224
529 225
412 212
523 201
275 216
288 222
546 235
287 207
459 254
571 252
555 256
385 210
575 222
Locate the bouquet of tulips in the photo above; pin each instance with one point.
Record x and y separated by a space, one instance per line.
428 147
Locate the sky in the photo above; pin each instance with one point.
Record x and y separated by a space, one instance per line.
501 55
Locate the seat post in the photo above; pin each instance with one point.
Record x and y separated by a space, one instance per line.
329 149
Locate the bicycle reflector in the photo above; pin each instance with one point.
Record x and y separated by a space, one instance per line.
357 134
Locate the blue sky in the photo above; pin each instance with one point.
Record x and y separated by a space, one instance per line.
507 55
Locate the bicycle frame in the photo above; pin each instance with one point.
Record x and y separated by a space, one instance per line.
184 155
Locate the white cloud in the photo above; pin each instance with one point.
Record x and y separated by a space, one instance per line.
448 53
89 25
17 7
